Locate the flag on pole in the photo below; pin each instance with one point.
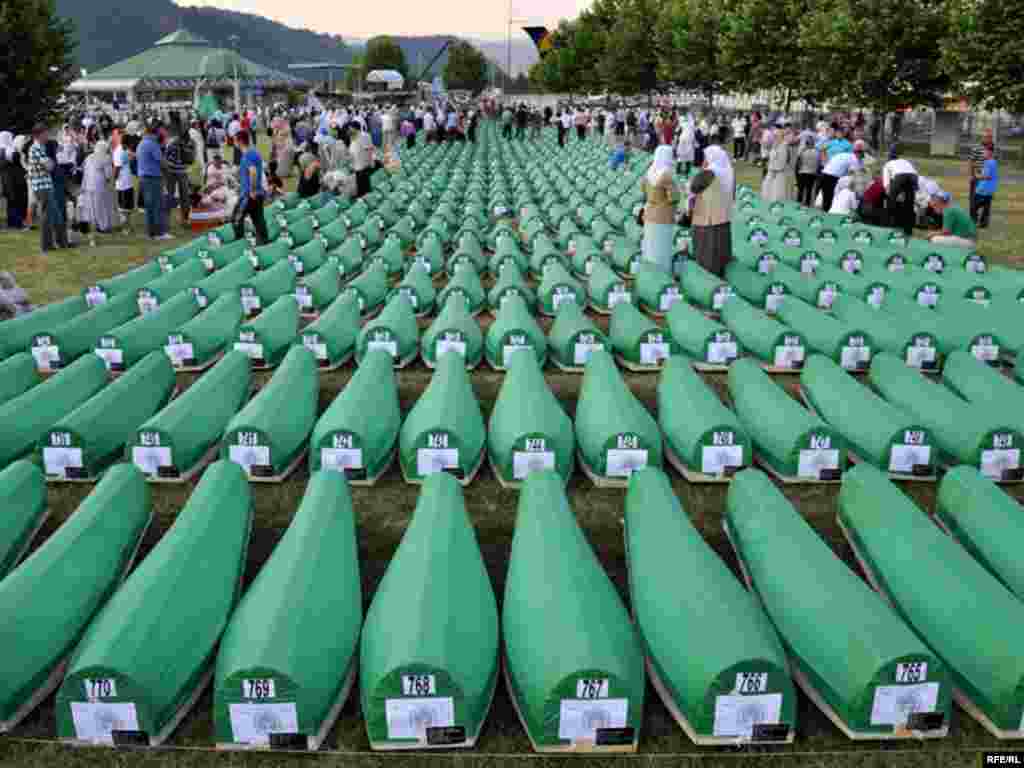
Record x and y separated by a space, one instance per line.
542 38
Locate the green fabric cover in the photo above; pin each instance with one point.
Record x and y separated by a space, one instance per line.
157 636
391 255
98 429
177 437
466 283
358 433
978 383
852 654
702 338
218 258
905 339
27 417
370 288
510 281
940 590
564 624
299 232
229 279
165 288
655 290
434 614
816 291
615 432
529 429
849 345
205 335
126 283
61 345
626 256
418 287
699 429
557 288
513 328
319 289
637 338
305 647
18 332
266 287
707 291
266 256
268 337
268 434
454 329
986 521
23 500
431 256
332 336
17 376
95 544
334 234
760 290
978 434
544 252
176 257
785 434
765 337
394 330
905 312
606 289
975 328
573 336
878 432
702 631
444 432
127 344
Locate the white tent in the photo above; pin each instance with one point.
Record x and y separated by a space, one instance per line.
389 77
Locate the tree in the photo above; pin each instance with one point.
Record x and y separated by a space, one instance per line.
691 38
572 64
356 72
466 68
36 62
630 61
384 53
985 52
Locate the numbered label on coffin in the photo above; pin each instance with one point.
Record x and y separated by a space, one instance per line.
411 718
513 343
586 345
147 302
720 454
531 454
1002 461
250 300
256 723
625 455
922 353
111 357
303 297
894 704
150 456
809 262
736 715
654 349
722 349
852 262
668 298
344 454
180 352
95 722
563 293
100 688
791 354
934 263
250 348
722 294
94 296
579 720
315 344
62 458
382 338
827 295
985 349
856 356
46 354
819 461
928 296
250 455
619 295
440 454
450 341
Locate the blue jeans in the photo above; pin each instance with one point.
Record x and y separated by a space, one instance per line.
152 199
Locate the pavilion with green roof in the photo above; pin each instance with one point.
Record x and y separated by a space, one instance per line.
176 65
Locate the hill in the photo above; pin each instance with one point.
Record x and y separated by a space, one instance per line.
111 30
420 50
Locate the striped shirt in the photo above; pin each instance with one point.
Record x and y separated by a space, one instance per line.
978 156
39 169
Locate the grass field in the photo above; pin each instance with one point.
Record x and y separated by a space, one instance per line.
384 511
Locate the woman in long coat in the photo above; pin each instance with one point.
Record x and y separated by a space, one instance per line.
779 179
687 146
97 199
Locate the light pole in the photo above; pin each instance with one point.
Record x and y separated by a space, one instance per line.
508 44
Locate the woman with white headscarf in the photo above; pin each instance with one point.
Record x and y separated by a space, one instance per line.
687 145
844 203
712 192
777 185
659 187
97 198
6 148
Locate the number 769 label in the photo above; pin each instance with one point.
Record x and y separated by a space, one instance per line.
912 672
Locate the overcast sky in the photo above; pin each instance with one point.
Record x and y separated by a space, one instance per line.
467 18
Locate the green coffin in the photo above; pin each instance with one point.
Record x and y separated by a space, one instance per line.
332 336
370 289
318 290
127 283
573 659
391 255
786 436
773 343
418 289
358 433
574 337
584 252
606 289
202 338
977 383
23 499
699 430
905 338
266 287
228 280
510 281
849 345
155 640
558 288
126 345
299 232
864 660
716 655
334 234
431 256
97 544
760 290
17 376
976 328
394 330
615 432
453 329
173 442
529 430
986 521
880 434
707 291
981 434
272 430
266 256
175 258
544 252
18 332
444 432
927 326
56 347
940 590
268 337
285 666
655 290
702 338
514 328
465 283
637 339
218 258
428 661
163 289
93 436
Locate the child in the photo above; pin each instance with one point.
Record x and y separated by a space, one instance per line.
988 183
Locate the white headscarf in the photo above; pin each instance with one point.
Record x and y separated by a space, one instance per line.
101 150
663 158
717 161
7 144
19 143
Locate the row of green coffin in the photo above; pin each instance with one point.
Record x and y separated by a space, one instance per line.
130 659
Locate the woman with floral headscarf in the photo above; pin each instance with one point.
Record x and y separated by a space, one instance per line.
659 187
97 198
713 191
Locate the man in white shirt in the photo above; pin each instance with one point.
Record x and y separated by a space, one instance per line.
387 126
125 183
566 121
840 165
739 137
429 126
362 160
900 180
